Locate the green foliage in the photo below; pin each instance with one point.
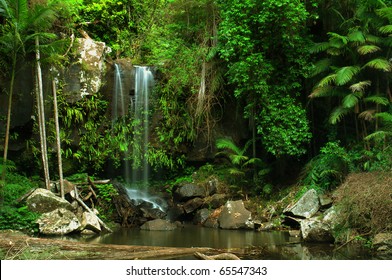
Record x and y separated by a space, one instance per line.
252 33
328 169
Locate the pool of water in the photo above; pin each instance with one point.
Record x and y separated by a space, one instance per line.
250 244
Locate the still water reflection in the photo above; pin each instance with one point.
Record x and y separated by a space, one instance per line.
251 244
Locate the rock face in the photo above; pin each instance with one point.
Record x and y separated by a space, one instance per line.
43 201
58 222
201 216
85 77
316 230
382 243
90 222
306 207
193 204
235 216
189 191
159 224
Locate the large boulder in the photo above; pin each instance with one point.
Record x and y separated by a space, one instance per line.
43 201
216 200
188 191
58 222
193 204
201 216
316 230
159 224
90 222
235 216
306 207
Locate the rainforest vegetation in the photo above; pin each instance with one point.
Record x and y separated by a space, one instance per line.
307 81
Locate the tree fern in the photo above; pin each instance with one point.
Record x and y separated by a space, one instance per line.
356 37
380 100
327 81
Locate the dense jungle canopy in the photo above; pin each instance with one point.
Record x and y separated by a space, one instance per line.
307 80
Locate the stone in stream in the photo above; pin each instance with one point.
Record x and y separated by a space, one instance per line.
188 191
43 201
58 222
234 215
159 224
306 207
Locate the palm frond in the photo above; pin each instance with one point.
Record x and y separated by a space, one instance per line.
367 49
387 29
327 81
345 74
367 115
385 116
378 135
337 115
236 172
319 47
380 100
373 39
226 143
321 66
379 64
360 86
352 99
356 37
338 37
321 92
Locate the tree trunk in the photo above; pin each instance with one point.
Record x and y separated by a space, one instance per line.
58 140
41 115
7 131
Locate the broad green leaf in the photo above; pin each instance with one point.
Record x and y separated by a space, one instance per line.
321 92
320 47
321 66
345 74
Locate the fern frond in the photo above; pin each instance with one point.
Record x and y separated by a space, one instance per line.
367 49
380 100
345 74
337 115
352 99
375 40
236 172
379 64
342 39
360 86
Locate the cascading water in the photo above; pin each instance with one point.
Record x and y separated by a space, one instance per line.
144 81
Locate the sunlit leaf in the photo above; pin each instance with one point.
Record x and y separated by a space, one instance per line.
345 74
379 64
367 49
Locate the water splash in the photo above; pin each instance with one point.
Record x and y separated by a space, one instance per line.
140 196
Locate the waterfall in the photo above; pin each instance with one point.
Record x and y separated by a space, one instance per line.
144 82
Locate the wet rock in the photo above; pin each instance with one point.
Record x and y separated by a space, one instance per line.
43 201
306 207
175 212
201 216
159 224
90 222
188 191
316 230
325 201
235 216
212 220
58 222
211 186
193 204
382 243
216 200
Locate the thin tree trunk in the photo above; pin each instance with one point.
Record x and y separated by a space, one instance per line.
7 131
41 115
58 140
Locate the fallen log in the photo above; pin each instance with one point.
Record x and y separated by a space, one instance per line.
19 246
222 256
